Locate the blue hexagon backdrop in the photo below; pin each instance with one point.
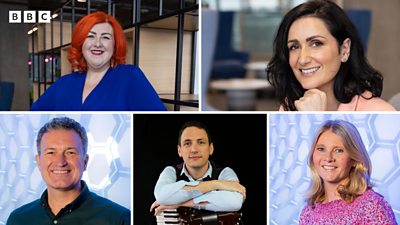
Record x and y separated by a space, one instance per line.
289 143
110 153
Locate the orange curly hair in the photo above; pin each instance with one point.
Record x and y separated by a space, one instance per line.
80 33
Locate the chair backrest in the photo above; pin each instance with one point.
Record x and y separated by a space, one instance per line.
395 101
361 19
209 28
224 34
6 95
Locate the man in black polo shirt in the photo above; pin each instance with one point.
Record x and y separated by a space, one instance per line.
61 158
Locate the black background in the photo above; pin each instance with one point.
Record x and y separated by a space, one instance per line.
239 142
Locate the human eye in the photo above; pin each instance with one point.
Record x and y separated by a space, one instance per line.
106 37
339 150
293 47
186 143
316 43
71 152
90 35
319 148
202 142
49 152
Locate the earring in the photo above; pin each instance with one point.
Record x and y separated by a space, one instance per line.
344 60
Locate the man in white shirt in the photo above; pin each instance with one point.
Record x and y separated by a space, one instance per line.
197 182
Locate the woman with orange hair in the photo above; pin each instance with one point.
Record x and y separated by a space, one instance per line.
100 80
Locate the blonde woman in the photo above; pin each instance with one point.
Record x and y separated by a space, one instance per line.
340 191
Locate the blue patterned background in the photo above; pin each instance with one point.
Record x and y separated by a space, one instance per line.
110 152
289 143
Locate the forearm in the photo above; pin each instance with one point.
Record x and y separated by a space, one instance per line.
221 201
217 185
172 194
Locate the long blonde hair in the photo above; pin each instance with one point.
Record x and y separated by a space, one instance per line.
360 173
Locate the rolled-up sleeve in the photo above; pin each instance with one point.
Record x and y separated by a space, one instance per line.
169 192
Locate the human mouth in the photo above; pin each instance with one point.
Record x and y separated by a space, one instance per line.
309 71
60 171
97 52
195 157
329 168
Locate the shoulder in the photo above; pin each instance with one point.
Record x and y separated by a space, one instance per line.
169 171
305 214
69 79
128 70
364 102
228 174
376 208
371 197
101 202
25 210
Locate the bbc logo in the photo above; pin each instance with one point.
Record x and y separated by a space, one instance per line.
15 16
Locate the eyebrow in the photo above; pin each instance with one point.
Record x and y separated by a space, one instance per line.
101 33
198 139
308 39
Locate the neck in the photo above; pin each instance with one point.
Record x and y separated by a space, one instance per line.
58 199
197 173
332 102
96 74
331 190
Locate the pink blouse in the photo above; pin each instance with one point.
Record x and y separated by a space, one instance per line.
360 103
369 208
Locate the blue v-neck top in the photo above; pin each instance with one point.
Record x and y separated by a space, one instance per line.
123 88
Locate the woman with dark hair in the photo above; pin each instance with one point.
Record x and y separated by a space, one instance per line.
340 190
319 63
100 80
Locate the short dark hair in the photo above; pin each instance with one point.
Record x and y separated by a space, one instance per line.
194 124
354 76
66 124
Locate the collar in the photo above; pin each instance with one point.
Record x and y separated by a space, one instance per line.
207 174
69 207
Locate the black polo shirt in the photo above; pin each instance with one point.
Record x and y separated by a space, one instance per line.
87 209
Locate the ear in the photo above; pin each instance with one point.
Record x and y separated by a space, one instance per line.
37 159
345 50
211 148
179 151
86 160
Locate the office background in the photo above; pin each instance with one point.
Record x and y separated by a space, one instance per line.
290 139
239 142
108 173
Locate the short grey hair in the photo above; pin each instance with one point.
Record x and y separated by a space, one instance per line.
63 123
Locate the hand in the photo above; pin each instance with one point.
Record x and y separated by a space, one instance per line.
312 100
159 208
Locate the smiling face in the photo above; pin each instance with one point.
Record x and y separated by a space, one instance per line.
331 159
314 54
61 161
98 47
195 149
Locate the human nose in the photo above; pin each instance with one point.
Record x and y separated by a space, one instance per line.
304 57
97 42
61 160
194 148
328 157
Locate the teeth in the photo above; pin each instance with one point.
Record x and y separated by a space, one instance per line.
97 52
328 167
60 171
311 70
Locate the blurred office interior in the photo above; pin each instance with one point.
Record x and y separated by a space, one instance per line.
236 49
